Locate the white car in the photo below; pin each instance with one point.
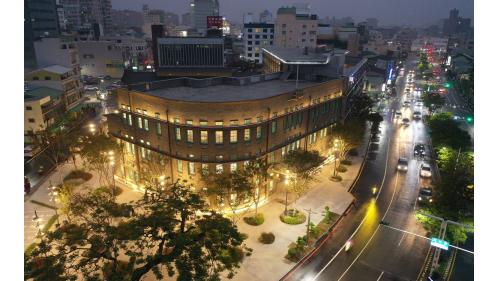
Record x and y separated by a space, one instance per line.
417 115
425 170
402 164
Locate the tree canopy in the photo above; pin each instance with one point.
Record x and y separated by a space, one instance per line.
107 240
445 132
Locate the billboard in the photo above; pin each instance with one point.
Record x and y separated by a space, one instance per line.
214 22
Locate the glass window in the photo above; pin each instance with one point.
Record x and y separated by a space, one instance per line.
191 169
178 134
139 122
177 120
219 123
189 122
233 122
146 124
247 135
158 128
204 169
219 168
157 115
204 137
219 137
258 133
203 123
233 136
274 125
179 166
219 157
249 36
248 121
233 167
189 136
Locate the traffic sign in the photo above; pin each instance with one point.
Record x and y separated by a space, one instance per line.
440 243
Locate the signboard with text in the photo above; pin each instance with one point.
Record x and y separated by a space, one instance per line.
440 243
214 22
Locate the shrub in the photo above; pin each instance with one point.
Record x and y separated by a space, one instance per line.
336 178
346 162
341 169
296 218
116 190
255 220
266 238
293 254
78 174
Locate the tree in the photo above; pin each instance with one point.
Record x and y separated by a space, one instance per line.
433 101
258 172
298 165
361 106
100 153
445 132
112 241
53 142
153 172
228 188
347 136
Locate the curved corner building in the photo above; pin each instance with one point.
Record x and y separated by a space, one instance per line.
214 125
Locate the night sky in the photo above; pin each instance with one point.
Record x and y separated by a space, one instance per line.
400 12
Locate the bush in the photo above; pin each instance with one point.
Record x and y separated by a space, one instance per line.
341 169
293 217
78 174
293 254
109 189
266 238
255 220
346 162
336 178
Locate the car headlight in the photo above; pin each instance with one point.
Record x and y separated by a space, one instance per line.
419 198
430 200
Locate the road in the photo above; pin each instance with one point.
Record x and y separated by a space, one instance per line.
379 252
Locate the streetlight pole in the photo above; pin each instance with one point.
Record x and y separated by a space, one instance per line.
309 211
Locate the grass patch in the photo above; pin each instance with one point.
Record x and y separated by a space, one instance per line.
78 174
49 223
266 238
42 204
255 220
341 169
293 217
346 162
336 178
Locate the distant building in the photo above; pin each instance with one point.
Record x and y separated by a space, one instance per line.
83 14
255 37
42 107
186 19
266 17
405 38
248 18
40 20
151 17
59 78
200 10
171 19
372 23
58 51
100 58
126 19
134 50
456 25
294 30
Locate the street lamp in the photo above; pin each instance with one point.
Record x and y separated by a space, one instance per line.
53 198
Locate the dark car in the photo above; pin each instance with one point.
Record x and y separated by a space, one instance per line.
425 195
419 150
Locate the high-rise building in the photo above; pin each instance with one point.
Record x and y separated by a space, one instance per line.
186 19
371 23
248 18
171 19
151 17
86 14
266 17
255 37
456 25
294 30
40 20
200 10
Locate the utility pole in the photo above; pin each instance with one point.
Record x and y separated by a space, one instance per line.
309 211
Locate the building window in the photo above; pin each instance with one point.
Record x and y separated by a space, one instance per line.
249 36
274 125
249 30
258 133
35 78
139 122
249 49
257 36
31 120
189 136
124 116
219 158
204 137
204 169
179 166
189 122
219 169
233 136
248 121
247 135
177 134
29 108
249 42
191 169
219 137
233 167
158 128
233 122
219 123
146 124
47 78
177 120
203 123
130 119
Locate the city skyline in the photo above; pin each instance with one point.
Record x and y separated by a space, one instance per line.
388 12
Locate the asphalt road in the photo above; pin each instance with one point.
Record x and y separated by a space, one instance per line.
378 252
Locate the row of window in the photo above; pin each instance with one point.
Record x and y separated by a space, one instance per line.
219 135
257 43
258 30
257 36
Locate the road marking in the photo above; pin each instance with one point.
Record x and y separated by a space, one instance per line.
361 223
380 276
402 237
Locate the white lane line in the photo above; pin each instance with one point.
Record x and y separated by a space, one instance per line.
361 223
402 237
380 276
378 226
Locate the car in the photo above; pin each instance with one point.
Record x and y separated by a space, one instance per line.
425 195
406 121
402 164
417 115
29 151
398 114
419 150
90 88
425 170
406 104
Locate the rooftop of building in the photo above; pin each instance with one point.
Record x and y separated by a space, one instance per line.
37 93
258 24
221 89
298 55
59 69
